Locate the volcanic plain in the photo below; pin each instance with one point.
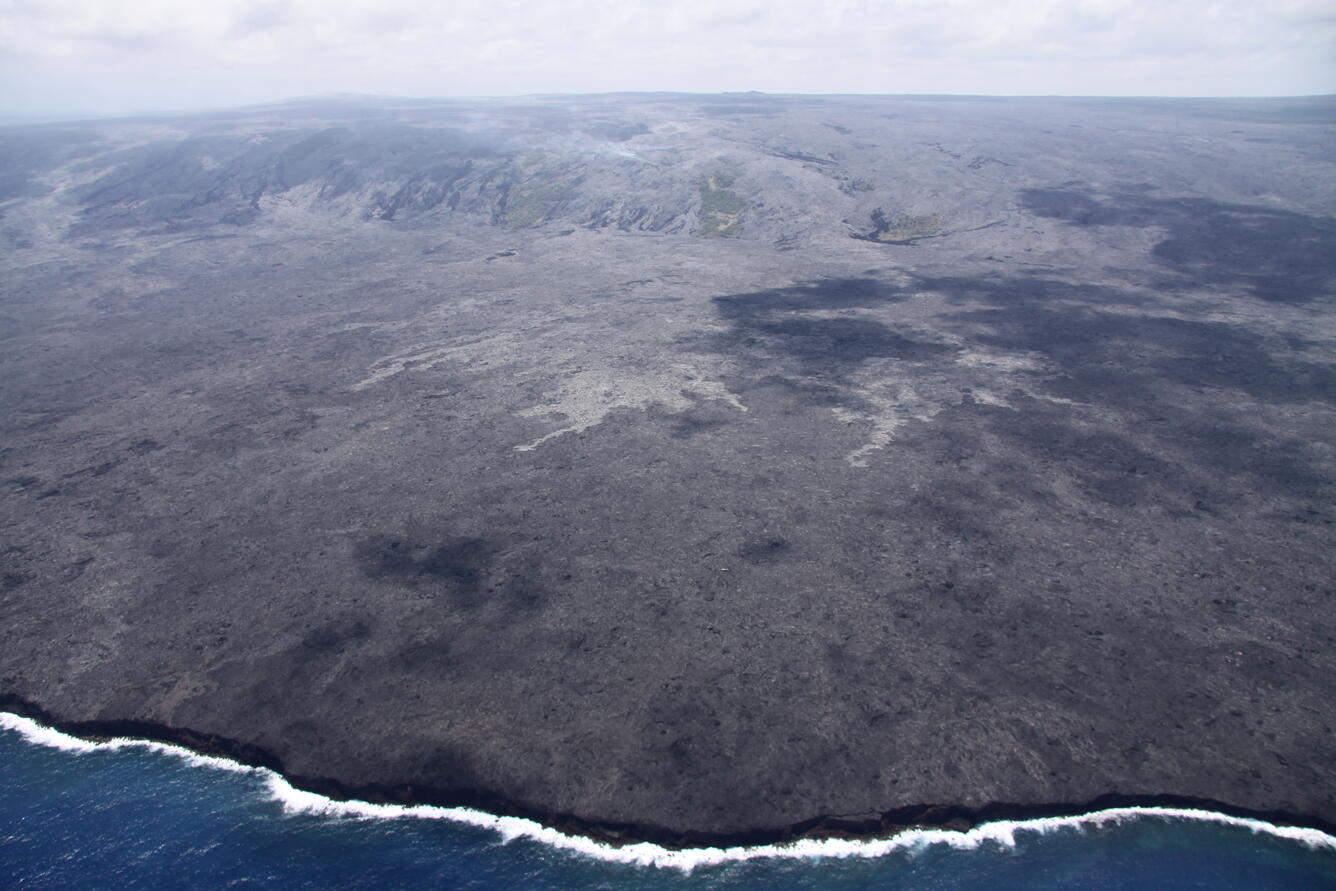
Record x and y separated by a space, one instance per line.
690 467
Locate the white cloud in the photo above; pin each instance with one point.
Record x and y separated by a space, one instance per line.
146 53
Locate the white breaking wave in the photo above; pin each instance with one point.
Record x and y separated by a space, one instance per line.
1001 833
42 735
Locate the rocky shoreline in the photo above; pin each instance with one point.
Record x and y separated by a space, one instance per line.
868 826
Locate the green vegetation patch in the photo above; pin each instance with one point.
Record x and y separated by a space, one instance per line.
902 228
529 204
720 209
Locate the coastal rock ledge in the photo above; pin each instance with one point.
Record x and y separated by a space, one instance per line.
842 826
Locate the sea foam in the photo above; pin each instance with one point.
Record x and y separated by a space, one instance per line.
999 833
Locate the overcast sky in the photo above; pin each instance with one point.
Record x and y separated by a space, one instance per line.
122 55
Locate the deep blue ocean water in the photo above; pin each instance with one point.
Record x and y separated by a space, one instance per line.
134 817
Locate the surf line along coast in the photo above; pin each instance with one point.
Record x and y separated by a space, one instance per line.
999 832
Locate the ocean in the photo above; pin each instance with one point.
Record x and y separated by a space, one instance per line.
135 814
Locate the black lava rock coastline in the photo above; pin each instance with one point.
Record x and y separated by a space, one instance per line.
884 825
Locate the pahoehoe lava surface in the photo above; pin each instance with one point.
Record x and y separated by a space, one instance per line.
702 464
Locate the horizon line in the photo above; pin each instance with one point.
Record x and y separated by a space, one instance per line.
57 115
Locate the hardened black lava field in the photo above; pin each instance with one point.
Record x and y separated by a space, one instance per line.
695 465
